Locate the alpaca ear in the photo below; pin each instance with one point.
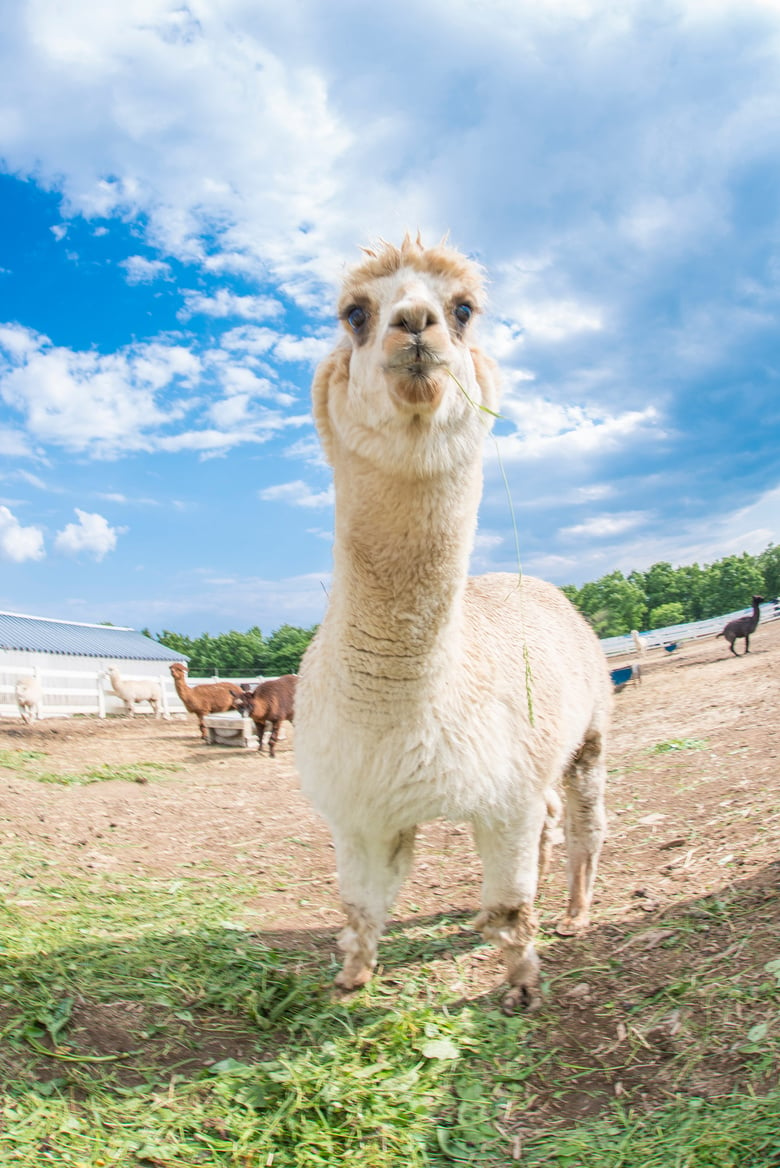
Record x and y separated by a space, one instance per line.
488 378
331 372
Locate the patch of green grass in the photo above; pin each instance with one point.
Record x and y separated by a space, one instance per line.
738 1132
680 744
139 772
20 760
25 762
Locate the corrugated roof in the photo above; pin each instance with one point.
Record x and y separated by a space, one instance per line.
43 635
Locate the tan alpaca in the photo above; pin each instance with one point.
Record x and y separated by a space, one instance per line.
413 702
212 697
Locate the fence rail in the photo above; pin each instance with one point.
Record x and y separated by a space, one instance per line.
694 630
71 691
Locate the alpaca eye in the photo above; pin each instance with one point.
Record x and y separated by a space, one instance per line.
356 318
463 313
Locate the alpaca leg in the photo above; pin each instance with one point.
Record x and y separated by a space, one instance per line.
549 829
510 863
272 738
747 643
585 781
371 870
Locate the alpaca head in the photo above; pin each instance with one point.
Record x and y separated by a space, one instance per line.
404 387
179 669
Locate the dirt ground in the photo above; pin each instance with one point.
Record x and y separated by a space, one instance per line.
694 814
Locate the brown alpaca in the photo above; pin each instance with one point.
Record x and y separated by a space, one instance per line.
271 701
214 697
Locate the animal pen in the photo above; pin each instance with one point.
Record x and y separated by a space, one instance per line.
70 660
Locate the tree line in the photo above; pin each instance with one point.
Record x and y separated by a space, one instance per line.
614 604
234 654
664 595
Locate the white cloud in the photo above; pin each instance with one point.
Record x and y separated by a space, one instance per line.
556 320
92 535
548 429
231 411
140 270
248 338
14 444
34 480
106 404
309 349
298 494
606 526
19 543
256 342
227 304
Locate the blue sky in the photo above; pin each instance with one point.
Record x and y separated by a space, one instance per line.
182 185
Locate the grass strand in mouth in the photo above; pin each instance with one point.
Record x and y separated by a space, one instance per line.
494 414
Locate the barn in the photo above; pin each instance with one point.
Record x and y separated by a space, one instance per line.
70 660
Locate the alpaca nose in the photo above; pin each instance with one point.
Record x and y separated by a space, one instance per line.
414 317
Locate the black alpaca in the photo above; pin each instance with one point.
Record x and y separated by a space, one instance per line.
743 626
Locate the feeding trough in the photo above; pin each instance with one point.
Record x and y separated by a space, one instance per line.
621 677
230 729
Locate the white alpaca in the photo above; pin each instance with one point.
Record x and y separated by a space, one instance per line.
414 699
133 690
29 698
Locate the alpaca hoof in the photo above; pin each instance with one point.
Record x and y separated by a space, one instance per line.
349 980
572 926
521 997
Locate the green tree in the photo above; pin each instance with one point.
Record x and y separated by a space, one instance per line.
666 614
769 564
661 585
239 654
690 579
613 604
730 583
285 648
177 642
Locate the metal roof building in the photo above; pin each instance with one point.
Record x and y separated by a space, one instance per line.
43 635
70 659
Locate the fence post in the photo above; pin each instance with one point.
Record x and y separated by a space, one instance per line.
101 696
37 677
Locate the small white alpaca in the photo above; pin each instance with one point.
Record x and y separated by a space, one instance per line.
133 690
29 698
426 694
639 644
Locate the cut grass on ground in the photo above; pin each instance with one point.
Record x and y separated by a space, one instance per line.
26 764
144 1025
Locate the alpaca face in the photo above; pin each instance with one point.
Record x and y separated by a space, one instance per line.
408 334
404 388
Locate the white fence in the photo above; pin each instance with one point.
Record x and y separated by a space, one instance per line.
657 638
70 691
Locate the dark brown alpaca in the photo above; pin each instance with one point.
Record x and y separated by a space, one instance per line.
742 626
272 701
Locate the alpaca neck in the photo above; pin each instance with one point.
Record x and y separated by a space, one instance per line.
400 566
181 687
